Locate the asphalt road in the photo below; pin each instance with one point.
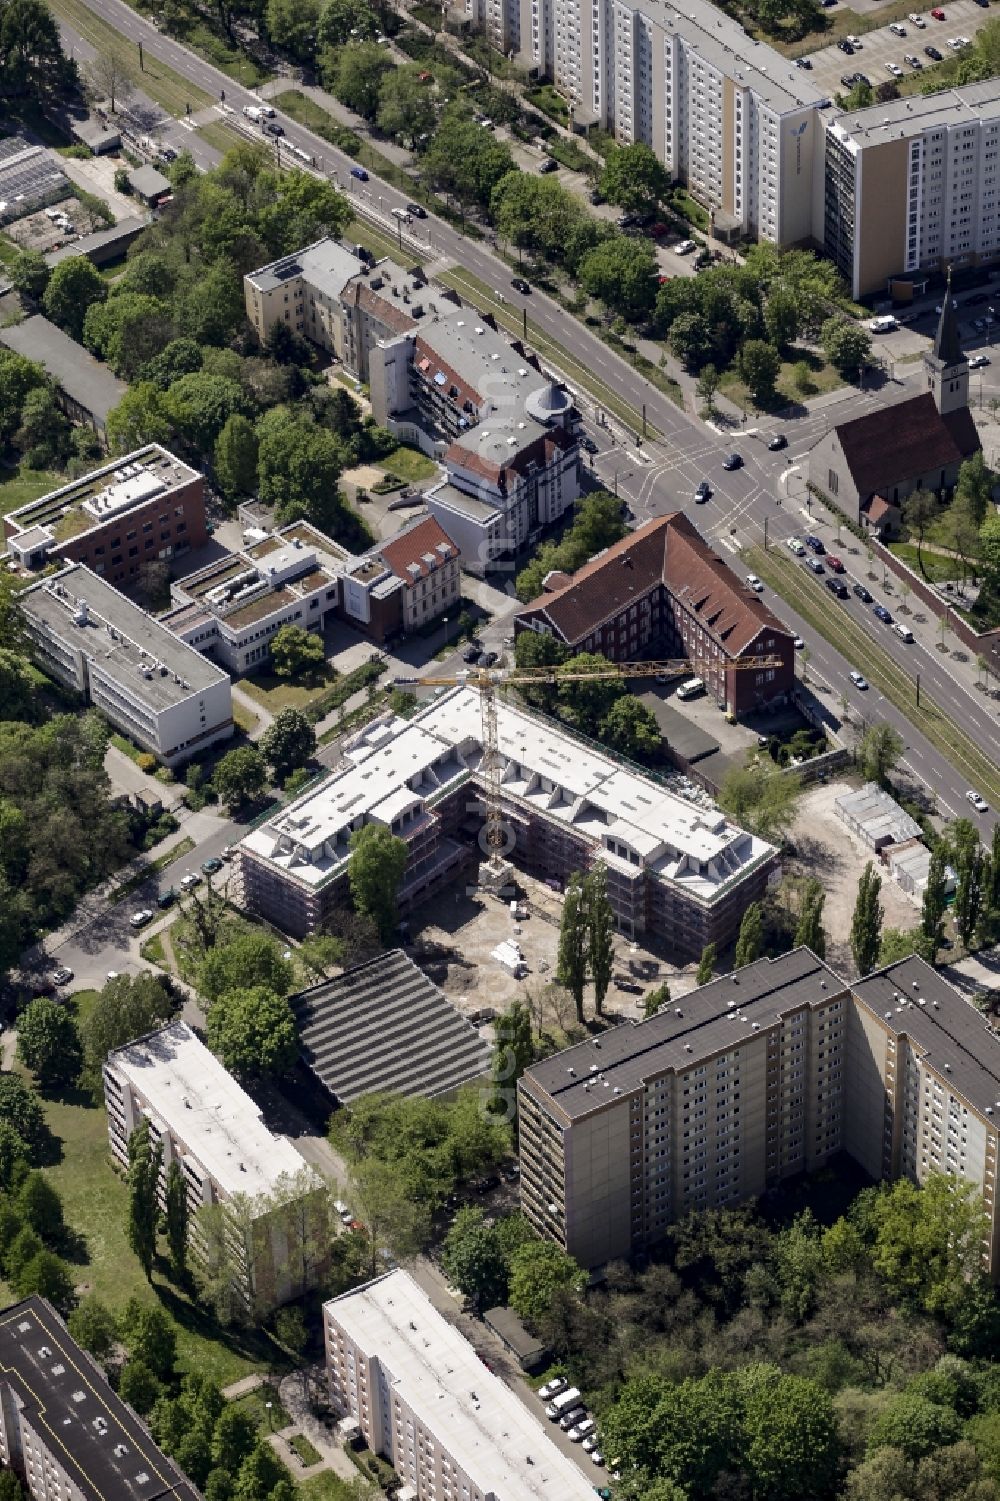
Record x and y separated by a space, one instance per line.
656 476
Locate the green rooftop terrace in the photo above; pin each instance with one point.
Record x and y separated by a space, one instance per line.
62 510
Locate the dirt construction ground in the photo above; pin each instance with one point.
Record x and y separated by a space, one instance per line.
825 848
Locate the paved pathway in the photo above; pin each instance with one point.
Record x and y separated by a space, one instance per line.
296 1403
243 1387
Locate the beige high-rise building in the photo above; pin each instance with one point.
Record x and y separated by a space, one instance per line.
756 1077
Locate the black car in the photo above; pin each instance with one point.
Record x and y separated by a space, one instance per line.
703 493
803 62
863 594
272 128
845 46
837 587
417 210
520 285
778 442
933 54
978 300
732 461
863 78
487 659
587 443
167 154
472 652
548 165
596 196
847 80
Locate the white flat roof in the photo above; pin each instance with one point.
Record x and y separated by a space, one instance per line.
395 763
499 1442
188 1088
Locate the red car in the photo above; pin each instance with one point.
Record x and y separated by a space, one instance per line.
834 563
938 15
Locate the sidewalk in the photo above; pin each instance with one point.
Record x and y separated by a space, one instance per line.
304 1420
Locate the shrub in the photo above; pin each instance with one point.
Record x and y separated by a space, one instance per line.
146 761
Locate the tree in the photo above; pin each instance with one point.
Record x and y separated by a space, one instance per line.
654 999
47 1275
354 75
149 1335
240 776
140 417
253 1032
622 273
262 1472
406 105
475 1260
247 959
809 931
394 1223
20 1109
630 727
374 871
289 742
235 456
791 1446
144 1162
464 160
201 404
299 465
934 902
139 1387
538 1270
112 76
919 510
177 1219
296 652
879 752
40 1206
513 1052
92 1325
127 1007
846 344
781 318
571 969
32 61
750 941
708 384
49 1044
634 179
866 923
760 366
29 273
75 284
234 1437
761 799
706 964
896 944
340 20
974 487
968 905
43 436
319 953
861 96
600 941
13 1158
291 26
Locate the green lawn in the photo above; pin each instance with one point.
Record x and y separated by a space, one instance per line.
153 951
319 120
220 135
410 464
936 567
95 1200
551 103
8 250
307 1452
325 1487
156 79
19 487
275 693
254 1404
244 717
822 377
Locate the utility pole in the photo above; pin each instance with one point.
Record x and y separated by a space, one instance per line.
141 64
765 533
918 690
524 321
644 413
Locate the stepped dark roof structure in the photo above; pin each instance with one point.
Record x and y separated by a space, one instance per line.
383 1025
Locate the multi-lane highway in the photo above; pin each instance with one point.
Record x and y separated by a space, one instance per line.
661 473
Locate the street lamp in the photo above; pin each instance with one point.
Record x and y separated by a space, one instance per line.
268 1406
444 622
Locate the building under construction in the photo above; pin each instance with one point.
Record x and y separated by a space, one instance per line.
677 871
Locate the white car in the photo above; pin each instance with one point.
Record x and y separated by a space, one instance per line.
979 803
795 546
978 361
685 247
141 918
579 1433
918 21
855 42
590 1443
897 29
884 324
552 1388
895 70
798 643
859 680
954 42
754 583
963 41
597 1458
191 879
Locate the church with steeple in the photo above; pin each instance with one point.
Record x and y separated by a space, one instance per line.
870 464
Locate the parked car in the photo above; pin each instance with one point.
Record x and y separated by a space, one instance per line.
548 165
798 643
684 247
597 1458
979 361
227 852
552 1388
858 679
978 802
918 21
191 879
914 62
166 898
894 69
520 285
837 588
754 583
587 443
938 14
815 565
579 1433
933 54
62 975
845 46
881 613
863 78
794 545
776 443
897 28
487 659
862 593
570 1419
703 493
815 545
359 173
590 1443
211 865
732 461
629 986
803 62
834 563
855 41
141 918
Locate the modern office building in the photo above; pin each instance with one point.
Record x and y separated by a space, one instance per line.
756 1077
868 465
214 1130
424 1400
144 508
63 1431
912 186
730 117
403 584
662 591
675 869
150 684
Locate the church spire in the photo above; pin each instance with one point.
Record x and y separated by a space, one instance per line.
947 345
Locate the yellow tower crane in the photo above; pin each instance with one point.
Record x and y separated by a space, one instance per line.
489 679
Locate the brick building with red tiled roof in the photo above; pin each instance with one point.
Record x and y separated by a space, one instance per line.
662 591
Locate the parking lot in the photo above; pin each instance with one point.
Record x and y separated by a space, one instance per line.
879 47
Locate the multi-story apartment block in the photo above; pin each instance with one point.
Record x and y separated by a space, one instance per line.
403 584
142 677
63 1431
424 1400
303 291
675 869
663 591
758 1076
912 186
505 432
211 1127
144 508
